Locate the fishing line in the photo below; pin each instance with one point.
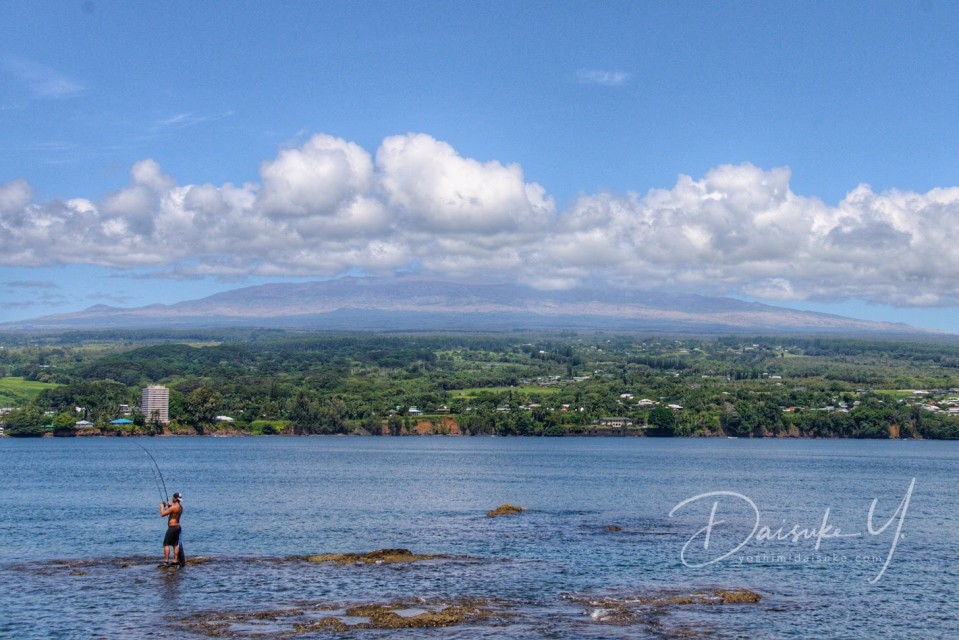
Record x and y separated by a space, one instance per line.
156 471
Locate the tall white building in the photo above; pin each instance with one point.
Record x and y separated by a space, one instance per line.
156 398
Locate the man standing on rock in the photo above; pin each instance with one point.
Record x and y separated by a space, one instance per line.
172 538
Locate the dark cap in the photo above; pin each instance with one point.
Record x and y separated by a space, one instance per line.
177 496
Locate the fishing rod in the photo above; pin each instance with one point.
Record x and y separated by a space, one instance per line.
163 495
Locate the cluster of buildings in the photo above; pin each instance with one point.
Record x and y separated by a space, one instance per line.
940 402
154 405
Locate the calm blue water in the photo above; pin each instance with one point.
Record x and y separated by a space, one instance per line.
598 528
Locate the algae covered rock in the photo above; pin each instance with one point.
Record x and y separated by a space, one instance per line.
418 613
505 509
328 623
373 557
646 608
738 596
387 617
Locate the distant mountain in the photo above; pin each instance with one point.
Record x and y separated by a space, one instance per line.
420 304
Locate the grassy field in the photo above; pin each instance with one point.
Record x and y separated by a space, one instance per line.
268 426
14 392
897 394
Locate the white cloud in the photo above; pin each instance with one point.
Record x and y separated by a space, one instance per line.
29 284
602 77
439 191
15 196
43 81
319 178
740 230
186 120
327 208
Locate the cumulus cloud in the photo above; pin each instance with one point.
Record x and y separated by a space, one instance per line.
436 189
330 207
15 196
317 179
741 230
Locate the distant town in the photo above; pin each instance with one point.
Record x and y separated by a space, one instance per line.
527 384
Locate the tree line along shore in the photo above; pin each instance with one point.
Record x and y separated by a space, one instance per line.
260 382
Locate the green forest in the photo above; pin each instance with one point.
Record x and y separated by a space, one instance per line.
263 382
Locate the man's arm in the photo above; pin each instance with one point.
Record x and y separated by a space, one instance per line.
165 510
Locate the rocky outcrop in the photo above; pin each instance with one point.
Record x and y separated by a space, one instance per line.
401 614
646 608
373 557
505 509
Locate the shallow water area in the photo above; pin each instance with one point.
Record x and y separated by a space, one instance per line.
279 534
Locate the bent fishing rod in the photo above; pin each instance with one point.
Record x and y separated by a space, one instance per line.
156 470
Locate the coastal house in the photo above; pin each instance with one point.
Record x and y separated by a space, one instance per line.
612 426
616 421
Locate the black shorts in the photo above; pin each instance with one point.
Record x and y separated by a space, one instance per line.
172 537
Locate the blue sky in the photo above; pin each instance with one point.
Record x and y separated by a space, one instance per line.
801 154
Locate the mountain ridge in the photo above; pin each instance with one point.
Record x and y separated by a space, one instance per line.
419 303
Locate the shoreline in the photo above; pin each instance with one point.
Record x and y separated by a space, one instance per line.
455 435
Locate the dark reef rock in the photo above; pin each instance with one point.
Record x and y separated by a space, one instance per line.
373 557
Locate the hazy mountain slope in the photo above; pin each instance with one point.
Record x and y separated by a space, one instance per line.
395 304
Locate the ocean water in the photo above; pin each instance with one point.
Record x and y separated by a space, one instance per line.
621 538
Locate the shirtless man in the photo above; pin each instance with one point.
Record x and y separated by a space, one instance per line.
172 538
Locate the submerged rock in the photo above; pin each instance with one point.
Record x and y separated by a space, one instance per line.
646 607
328 623
665 613
191 562
401 614
709 596
88 566
386 616
372 557
505 509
